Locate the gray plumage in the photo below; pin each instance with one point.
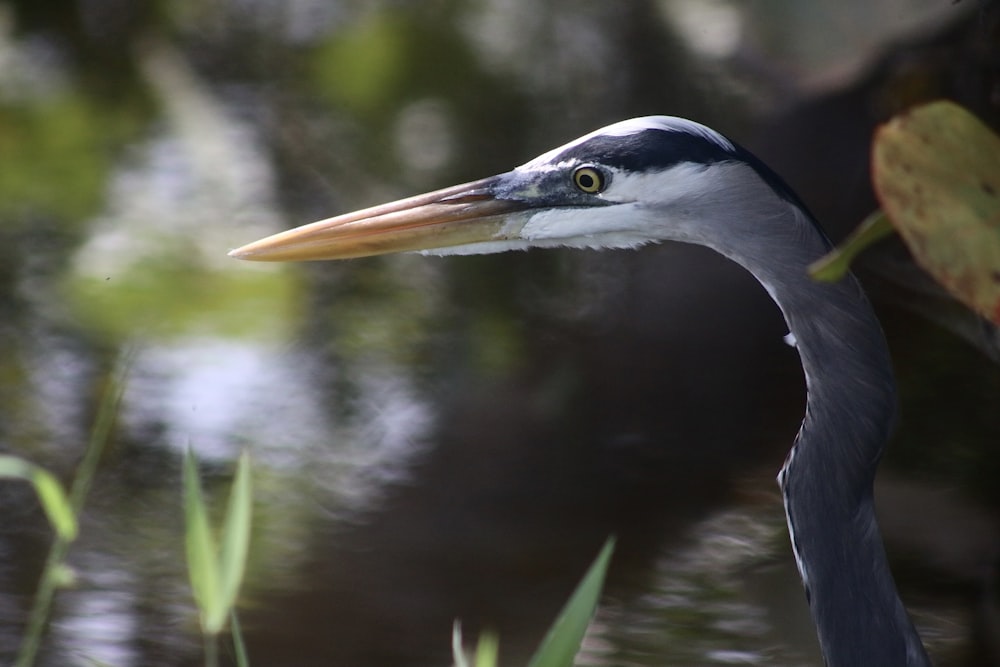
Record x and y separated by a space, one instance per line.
657 179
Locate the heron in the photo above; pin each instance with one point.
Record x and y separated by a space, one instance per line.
664 178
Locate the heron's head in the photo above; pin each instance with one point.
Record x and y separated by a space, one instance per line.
638 181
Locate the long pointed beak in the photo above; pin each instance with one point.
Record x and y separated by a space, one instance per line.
459 215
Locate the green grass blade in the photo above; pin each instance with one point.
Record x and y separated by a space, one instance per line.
239 646
51 495
236 533
487 650
56 572
16 468
201 553
56 503
562 642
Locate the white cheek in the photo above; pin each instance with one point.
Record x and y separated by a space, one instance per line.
618 226
661 188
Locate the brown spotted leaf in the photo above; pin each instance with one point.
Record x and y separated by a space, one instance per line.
936 171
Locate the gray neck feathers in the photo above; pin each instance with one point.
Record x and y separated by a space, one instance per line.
828 475
850 410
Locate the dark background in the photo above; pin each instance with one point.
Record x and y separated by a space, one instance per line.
454 438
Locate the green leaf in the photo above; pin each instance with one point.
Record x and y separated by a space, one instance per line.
239 646
835 264
56 503
56 574
216 576
487 650
562 642
50 494
236 533
201 560
936 171
14 467
63 576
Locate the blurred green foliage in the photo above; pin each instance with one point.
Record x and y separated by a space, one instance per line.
362 69
58 152
170 296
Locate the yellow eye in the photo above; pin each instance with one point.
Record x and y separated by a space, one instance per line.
589 180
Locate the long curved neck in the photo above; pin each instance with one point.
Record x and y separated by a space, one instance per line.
827 478
828 475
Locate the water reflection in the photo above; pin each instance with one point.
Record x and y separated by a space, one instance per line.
725 596
432 438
